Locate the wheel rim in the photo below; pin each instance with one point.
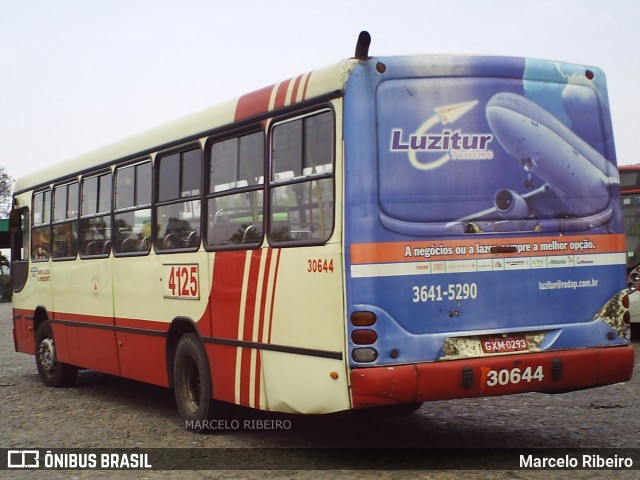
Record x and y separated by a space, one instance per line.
191 384
47 355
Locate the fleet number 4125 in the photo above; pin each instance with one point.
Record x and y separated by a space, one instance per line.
181 281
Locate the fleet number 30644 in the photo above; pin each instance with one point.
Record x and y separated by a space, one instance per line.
508 376
438 293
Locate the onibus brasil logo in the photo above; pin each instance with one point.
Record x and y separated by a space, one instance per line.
427 150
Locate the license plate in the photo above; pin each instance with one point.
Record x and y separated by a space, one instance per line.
514 343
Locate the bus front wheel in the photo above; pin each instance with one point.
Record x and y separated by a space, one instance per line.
52 372
192 384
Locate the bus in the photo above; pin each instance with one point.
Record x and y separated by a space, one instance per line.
630 190
380 232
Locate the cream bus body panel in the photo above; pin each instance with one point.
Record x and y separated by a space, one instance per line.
82 293
142 325
308 383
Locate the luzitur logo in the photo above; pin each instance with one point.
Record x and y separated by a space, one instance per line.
439 148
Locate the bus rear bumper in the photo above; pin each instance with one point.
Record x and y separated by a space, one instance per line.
490 376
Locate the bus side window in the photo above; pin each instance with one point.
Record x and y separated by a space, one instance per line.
301 187
41 231
132 219
178 201
235 201
65 221
95 216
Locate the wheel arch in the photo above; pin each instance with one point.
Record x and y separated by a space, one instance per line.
179 327
40 315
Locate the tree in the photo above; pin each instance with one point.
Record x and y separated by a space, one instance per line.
5 279
6 189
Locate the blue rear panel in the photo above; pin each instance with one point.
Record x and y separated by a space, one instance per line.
458 156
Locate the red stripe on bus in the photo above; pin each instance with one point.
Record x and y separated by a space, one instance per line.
296 86
226 289
306 84
249 320
263 305
273 293
253 103
281 95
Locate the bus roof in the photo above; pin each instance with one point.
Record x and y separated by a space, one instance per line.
296 90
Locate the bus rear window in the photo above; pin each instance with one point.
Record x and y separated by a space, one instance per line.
490 151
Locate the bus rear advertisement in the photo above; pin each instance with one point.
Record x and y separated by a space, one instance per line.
381 232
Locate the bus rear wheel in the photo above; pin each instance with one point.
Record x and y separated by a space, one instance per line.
52 372
192 384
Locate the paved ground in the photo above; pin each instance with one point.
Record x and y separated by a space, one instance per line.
109 412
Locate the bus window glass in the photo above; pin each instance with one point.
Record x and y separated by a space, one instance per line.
629 179
41 207
434 180
125 187
179 225
41 232
178 209
223 165
143 184
72 204
302 195
133 231
95 219
40 249
191 174
631 216
169 178
104 193
132 224
318 135
65 223
235 205
95 233
287 150
89 195
60 203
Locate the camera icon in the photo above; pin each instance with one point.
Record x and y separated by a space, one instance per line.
23 459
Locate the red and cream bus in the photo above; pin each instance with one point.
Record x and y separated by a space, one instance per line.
379 232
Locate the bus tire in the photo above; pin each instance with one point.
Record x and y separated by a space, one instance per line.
192 384
52 372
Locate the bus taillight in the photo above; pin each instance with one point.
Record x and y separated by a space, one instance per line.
363 319
364 355
364 337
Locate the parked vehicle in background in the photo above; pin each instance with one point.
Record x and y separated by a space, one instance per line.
630 191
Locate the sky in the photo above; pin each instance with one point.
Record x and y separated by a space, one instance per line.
76 75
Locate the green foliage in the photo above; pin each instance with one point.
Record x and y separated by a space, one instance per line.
6 189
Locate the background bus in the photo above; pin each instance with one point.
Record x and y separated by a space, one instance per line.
380 232
630 190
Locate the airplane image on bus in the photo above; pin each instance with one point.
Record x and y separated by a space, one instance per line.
577 178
